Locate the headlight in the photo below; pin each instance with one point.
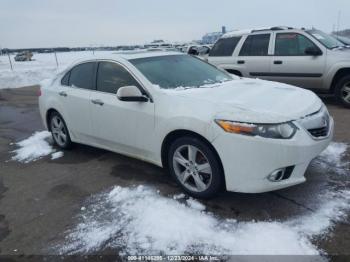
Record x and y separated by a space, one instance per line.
277 131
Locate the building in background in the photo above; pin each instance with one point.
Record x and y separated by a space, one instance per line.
210 38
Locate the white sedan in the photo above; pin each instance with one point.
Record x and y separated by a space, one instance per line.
210 129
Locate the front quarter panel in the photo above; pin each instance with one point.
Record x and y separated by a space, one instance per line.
185 115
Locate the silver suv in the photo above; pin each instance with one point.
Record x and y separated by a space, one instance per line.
306 58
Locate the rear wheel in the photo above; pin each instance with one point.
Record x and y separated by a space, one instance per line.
59 131
342 91
195 167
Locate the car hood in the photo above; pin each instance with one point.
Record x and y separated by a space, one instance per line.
253 101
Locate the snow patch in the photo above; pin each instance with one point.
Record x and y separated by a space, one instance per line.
179 196
43 66
333 155
192 203
139 220
56 155
27 77
33 148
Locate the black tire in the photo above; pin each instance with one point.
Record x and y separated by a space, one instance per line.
340 91
66 143
205 152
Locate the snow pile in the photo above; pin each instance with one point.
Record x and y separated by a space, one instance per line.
56 155
141 221
35 147
333 155
21 78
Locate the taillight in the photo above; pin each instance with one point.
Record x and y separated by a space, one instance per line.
39 92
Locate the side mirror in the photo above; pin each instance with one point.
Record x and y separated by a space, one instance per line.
131 94
313 51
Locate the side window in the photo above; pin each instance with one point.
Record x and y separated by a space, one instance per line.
82 76
292 44
111 76
224 46
256 45
65 79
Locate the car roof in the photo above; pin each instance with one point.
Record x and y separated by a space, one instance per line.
254 30
123 55
129 55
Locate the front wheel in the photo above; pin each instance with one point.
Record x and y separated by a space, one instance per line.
342 91
195 167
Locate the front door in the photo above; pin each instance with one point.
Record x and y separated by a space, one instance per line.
253 59
291 65
119 125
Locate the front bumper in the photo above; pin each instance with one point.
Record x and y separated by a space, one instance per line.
248 161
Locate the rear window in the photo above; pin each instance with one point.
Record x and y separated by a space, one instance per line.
256 45
224 46
82 76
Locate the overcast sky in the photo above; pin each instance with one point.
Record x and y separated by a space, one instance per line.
50 23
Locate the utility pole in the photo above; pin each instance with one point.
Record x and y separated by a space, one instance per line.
8 54
56 58
338 22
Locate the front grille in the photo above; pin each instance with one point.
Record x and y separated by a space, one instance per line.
319 132
317 124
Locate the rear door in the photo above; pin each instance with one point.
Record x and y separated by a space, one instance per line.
119 125
221 54
291 65
75 91
253 59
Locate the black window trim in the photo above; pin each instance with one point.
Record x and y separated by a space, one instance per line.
141 86
64 75
274 48
255 34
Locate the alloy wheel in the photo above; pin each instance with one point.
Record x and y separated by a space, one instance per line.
345 92
59 131
192 168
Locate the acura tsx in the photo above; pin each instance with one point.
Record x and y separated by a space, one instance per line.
209 129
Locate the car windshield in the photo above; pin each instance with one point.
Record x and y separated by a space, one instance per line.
325 39
173 71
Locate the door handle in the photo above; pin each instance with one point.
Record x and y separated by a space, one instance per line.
62 93
278 62
97 102
240 62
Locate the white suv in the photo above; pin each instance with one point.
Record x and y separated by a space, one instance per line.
208 128
305 58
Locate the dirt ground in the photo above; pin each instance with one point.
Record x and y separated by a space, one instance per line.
39 200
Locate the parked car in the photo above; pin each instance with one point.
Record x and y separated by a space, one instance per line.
345 40
210 129
202 51
24 56
305 58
